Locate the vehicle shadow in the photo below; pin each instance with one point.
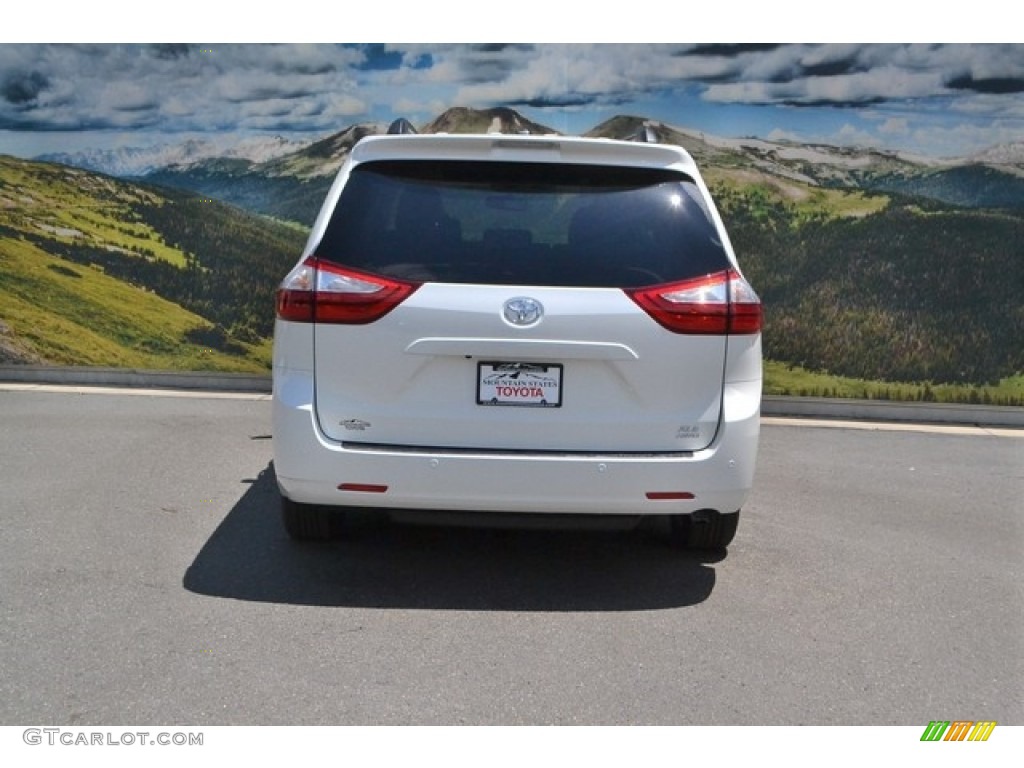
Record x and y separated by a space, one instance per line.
384 565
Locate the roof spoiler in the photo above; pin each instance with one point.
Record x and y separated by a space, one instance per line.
401 126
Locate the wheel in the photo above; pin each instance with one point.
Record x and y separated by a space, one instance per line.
704 529
311 522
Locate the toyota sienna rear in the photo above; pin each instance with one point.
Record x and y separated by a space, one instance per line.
517 324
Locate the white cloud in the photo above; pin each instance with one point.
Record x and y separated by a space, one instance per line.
852 135
895 126
320 87
779 134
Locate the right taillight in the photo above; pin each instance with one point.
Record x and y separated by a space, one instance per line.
716 304
318 291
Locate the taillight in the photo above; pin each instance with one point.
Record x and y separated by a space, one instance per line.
317 291
745 315
719 303
294 298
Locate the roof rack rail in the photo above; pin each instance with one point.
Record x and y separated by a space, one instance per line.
401 125
645 134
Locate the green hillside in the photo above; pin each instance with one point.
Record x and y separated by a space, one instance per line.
289 197
880 289
965 185
97 271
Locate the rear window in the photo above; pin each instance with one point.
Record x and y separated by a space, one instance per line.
522 224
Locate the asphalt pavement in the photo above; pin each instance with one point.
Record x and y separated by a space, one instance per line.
145 578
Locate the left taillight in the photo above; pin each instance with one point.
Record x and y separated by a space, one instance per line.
318 291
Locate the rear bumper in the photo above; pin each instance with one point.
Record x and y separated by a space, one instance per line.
310 467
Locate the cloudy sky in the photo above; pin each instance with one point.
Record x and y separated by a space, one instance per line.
938 100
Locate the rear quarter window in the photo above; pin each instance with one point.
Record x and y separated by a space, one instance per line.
522 224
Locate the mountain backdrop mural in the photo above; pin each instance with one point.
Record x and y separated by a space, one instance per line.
889 266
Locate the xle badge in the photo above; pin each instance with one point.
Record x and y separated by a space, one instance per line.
357 425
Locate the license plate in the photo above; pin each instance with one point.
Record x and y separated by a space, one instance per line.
537 385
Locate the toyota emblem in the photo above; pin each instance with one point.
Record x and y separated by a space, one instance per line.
523 311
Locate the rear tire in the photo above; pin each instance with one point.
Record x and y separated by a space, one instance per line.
704 529
311 522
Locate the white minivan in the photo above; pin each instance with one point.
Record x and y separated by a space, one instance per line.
535 325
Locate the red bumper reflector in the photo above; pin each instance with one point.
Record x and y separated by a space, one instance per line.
363 488
669 495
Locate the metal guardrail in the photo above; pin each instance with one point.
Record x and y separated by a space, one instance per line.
771 405
893 410
135 377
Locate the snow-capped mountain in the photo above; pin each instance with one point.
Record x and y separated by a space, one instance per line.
288 179
139 161
1002 154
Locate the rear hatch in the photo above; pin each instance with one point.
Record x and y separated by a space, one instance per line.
521 307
